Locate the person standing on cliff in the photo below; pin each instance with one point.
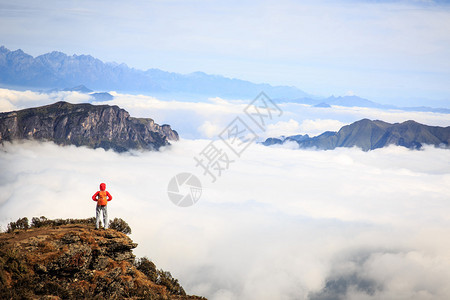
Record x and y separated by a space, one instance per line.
102 197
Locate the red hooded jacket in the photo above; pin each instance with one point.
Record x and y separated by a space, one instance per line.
102 197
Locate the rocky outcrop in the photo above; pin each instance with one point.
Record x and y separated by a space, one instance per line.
95 126
369 135
72 262
282 139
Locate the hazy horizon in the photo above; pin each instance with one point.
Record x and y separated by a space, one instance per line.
387 51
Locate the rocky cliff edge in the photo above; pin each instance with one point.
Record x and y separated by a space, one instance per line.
76 261
94 126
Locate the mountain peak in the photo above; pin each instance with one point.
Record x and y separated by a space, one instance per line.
57 70
17 54
410 122
79 88
369 135
3 49
57 53
90 58
18 51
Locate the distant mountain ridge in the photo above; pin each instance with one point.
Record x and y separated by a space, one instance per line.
369 135
95 126
355 101
98 96
79 88
58 70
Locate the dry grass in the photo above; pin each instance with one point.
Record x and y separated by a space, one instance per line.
26 251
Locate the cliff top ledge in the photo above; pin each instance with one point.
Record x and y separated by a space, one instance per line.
77 261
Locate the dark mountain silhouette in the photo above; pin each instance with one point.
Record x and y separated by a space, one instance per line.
369 135
281 140
58 70
104 126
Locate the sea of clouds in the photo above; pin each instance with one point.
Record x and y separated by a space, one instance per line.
206 119
280 223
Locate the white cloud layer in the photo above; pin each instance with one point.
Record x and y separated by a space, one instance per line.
279 224
14 100
199 119
205 119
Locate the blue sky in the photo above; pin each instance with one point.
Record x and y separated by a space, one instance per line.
387 51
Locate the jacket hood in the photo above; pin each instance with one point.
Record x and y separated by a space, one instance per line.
102 186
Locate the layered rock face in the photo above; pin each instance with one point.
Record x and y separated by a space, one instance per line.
370 135
72 262
95 126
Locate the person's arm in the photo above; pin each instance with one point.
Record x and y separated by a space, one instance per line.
95 196
108 196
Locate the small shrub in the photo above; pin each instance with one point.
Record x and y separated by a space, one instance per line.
19 224
147 267
120 225
160 276
40 222
172 284
44 222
